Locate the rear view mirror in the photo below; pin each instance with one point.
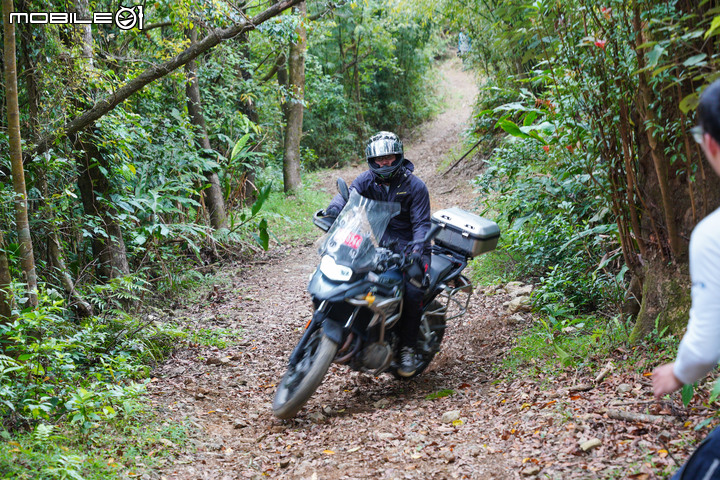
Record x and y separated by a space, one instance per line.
343 189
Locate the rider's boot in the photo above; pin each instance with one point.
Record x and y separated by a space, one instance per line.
408 362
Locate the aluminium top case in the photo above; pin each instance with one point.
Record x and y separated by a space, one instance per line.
465 232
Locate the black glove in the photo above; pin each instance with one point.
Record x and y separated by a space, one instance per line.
331 212
416 269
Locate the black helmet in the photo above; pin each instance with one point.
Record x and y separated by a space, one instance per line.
380 145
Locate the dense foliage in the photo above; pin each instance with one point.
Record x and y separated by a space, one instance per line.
600 180
122 208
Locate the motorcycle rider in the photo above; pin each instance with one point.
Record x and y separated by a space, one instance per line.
390 179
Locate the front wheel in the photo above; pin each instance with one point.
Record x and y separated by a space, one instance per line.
302 379
432 331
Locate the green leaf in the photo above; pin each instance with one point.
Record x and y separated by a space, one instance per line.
262 196
695 59
511 127
703 424
655 55
263 235
441 394
239 146
715 391
713 26
529 118
690 102
565 357
687 394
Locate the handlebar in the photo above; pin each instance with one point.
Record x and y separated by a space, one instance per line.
386 258
322 221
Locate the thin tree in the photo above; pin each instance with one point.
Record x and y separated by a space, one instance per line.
6 301
294 103
27 259
213 194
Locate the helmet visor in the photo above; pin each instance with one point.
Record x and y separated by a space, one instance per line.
382 147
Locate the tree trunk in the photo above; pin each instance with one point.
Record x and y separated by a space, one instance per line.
18 174
665 299
213 194
6 300
108 250
82 308
83 10
667 210
295 105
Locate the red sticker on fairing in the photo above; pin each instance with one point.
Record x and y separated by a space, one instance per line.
353 240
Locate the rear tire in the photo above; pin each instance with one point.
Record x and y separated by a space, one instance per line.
432 331
301 380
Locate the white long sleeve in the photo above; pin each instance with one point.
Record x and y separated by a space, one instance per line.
699 350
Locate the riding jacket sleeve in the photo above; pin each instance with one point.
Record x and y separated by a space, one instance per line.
359 185
420 215
699 350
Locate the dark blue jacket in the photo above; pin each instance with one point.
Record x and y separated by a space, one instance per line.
413 222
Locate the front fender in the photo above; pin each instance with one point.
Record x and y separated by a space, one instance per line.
333 330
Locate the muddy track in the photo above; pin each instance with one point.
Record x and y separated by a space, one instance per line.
356 425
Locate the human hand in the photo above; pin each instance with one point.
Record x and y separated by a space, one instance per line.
664 380
331 212
415 269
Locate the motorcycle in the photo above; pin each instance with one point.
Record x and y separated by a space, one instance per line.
357 294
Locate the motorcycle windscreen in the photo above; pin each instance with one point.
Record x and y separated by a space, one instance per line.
357 231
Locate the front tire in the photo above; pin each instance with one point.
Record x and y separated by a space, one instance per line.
301 380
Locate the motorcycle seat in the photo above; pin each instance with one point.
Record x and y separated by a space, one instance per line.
440 266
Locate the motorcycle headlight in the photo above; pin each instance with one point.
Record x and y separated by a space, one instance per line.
338 273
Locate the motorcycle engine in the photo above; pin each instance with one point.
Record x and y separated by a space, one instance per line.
377 356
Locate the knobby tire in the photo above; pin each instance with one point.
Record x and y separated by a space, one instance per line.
319 354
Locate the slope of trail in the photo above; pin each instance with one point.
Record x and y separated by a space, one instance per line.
520 423
356 425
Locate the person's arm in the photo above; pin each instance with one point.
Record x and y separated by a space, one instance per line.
338 203
699 349
420 215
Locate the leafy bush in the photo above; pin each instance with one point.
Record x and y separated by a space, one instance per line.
553 220
53 368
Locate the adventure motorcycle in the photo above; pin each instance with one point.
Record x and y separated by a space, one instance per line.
357 293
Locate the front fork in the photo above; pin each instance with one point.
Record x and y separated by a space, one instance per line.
332 329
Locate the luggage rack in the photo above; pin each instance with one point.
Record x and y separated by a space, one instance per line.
450 290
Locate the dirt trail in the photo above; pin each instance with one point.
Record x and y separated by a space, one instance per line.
358 426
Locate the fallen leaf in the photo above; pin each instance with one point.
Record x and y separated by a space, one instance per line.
354 449
328 452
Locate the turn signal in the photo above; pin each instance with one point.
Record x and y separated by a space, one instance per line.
370 298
